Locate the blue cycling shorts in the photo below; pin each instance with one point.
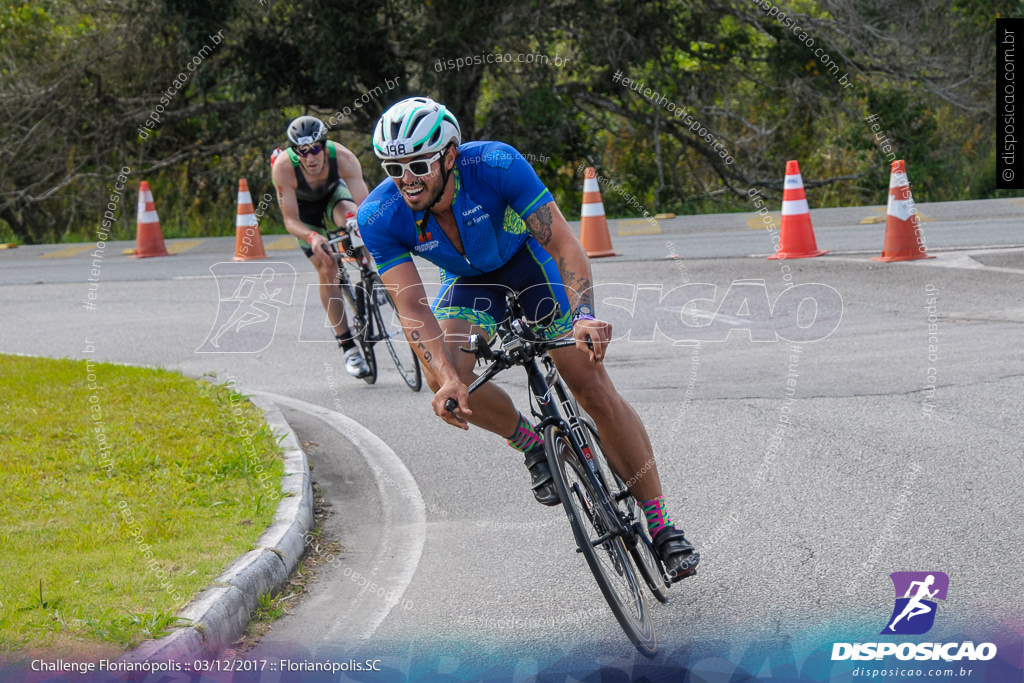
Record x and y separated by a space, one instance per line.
480 299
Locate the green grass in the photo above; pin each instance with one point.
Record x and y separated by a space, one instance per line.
100 546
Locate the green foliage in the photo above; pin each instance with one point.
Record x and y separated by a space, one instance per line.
78 81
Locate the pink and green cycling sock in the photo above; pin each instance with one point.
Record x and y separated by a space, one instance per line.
524 437
657 517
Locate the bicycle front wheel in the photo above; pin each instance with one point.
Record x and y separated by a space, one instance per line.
389 330
364 335
357 320
587 505
641 549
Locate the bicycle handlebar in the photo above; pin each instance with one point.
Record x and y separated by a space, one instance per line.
503 359
516 353
335 238
333 241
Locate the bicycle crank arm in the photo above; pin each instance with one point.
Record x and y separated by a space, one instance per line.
604 538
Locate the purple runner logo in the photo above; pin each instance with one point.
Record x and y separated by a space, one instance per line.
914 612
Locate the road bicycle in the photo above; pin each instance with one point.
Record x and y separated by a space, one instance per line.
607 523
374 315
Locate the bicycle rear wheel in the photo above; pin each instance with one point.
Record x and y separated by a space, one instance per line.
389 329
641 549
584 503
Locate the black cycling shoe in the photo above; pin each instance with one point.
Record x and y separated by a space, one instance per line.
543 485
676 553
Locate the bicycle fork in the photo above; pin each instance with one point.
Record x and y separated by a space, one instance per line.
547 388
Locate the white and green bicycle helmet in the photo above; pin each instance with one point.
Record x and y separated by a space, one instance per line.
414 126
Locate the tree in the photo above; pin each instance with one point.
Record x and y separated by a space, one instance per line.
720 94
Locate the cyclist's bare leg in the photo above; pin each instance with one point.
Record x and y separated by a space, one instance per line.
623 435
342 209
493 410
330 292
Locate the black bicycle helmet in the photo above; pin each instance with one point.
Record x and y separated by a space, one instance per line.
306 130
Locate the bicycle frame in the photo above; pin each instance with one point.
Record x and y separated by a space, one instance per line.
360 290
555 405
372 307
569 422
601 526
334 240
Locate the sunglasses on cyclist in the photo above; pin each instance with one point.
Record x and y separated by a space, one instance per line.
312 149
420 167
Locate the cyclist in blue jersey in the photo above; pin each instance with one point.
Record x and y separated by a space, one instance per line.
317 181
479 211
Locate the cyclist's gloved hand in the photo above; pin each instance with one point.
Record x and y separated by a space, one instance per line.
592 337
455 390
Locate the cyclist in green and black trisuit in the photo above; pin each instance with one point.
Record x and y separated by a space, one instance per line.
318 180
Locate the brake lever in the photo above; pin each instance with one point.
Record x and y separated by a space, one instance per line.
473 345
481 351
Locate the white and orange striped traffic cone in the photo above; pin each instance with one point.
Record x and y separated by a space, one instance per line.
593 224
903 239
248 241
149 238
796 234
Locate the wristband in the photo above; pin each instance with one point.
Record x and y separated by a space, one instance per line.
311 237
583 312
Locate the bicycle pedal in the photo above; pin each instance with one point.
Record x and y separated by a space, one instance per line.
670 580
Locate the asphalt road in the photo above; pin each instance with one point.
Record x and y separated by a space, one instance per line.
805 473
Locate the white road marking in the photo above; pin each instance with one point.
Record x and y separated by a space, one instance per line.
403 528
965 259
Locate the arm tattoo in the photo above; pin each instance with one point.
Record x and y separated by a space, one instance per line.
427 356
576 284
540 225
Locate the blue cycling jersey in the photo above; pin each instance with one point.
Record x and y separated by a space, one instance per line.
496 189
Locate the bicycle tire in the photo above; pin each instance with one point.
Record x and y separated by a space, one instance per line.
641 549
357 324
389 328
364 336
609 561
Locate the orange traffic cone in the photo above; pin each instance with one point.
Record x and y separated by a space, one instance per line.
149 238
593 224
796 234
903 239
248 242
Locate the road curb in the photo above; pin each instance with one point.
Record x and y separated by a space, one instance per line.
220 614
